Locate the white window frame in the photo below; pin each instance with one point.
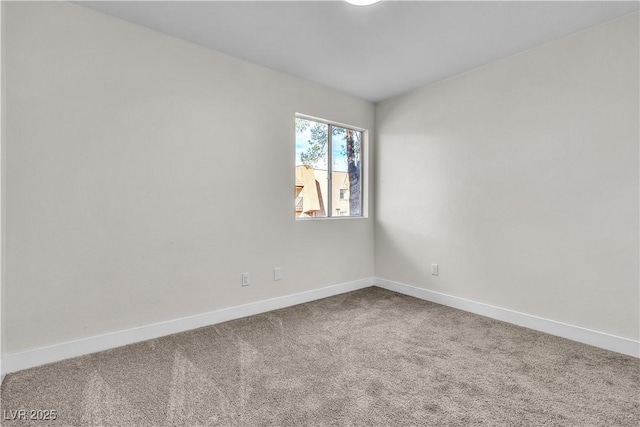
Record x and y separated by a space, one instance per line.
363 168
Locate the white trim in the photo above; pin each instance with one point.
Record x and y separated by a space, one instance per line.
40 356
576 333
329 122
1 372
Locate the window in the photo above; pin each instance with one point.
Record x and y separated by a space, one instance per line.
328 169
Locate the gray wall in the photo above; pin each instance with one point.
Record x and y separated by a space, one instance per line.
2 181
520 179
145 174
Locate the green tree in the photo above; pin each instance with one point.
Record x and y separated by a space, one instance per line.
353 161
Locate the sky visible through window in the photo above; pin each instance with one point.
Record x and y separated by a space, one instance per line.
338 151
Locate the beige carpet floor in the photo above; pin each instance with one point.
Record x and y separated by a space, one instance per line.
370 358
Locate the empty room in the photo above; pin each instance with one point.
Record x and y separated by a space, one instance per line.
301 213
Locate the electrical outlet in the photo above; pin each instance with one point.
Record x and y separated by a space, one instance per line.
434 269
277 274
246 279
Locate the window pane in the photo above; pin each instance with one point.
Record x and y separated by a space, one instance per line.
312 141
346 172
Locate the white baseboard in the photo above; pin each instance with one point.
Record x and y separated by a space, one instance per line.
575 333
40 356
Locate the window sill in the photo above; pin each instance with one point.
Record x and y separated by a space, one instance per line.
331 218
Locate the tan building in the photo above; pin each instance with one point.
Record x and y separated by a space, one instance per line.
311 193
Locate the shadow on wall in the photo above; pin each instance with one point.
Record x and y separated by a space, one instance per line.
403 255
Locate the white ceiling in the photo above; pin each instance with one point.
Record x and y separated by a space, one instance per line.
373 52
